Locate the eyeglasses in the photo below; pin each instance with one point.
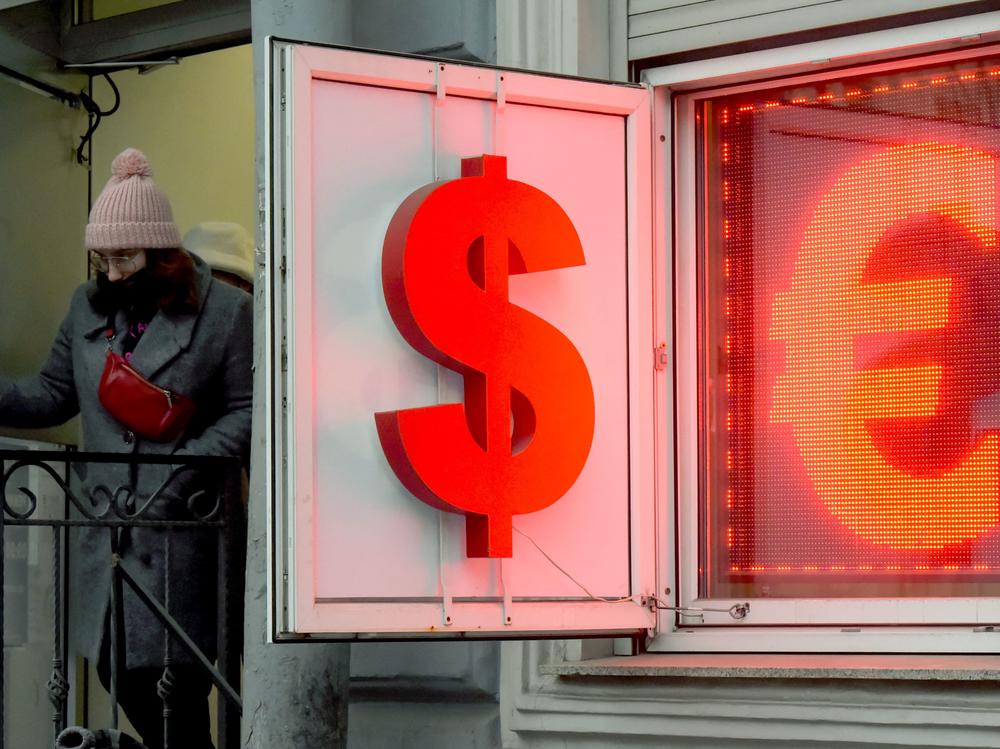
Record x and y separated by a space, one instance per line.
122 263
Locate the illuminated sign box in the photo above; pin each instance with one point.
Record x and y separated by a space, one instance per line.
838 385
491 319
851 307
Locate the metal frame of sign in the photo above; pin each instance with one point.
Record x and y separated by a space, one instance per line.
295 609
786 625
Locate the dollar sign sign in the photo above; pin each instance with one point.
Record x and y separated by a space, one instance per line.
448 252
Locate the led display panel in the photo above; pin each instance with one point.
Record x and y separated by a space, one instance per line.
849 316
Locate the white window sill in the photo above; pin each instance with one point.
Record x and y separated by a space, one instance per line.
787 666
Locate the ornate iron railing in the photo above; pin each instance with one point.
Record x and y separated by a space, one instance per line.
216 505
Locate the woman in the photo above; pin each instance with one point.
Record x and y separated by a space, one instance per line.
158 308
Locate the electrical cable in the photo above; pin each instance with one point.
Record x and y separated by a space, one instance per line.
576 582
96 113
118 96
736 611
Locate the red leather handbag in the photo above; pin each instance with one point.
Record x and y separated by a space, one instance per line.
149 411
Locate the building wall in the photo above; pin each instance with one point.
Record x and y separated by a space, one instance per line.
445 28
663 27
294 694
424 695
195 122
573 37
543 706
42 215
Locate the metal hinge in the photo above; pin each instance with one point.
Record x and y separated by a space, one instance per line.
660 358
737 611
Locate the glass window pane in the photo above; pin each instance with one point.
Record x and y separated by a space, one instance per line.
849 290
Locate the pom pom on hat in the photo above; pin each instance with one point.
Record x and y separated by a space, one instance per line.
131 213
131 163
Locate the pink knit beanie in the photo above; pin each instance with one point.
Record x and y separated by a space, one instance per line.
131 213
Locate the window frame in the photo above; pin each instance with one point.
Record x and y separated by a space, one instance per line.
188 27
786 625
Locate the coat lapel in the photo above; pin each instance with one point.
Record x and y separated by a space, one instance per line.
92 324
94 353
163 340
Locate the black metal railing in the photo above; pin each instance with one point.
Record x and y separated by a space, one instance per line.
215 504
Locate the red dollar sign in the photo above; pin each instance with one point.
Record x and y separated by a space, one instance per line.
448 252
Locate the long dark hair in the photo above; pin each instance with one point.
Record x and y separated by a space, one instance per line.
173 272
167 282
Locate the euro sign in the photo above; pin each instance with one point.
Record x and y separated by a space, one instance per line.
831 403
522 436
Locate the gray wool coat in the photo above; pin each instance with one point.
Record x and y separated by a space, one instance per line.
206 355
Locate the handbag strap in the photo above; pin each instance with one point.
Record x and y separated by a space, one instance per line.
109 331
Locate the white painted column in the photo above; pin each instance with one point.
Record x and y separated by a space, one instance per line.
573 37
293 694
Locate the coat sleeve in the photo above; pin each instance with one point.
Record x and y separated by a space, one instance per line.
230 433
49 397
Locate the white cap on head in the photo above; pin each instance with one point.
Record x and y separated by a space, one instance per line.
224 246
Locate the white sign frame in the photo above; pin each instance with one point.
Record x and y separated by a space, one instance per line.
296 610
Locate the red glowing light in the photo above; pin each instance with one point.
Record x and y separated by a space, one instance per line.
447 256
828 402
850 405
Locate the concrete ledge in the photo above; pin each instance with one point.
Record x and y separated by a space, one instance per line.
787 666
